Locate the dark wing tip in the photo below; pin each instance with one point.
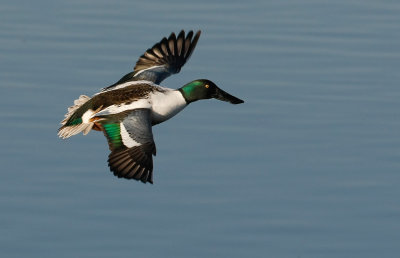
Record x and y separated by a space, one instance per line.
170 53
163 58
132 163
192 44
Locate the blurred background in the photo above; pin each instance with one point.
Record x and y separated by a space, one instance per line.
308 166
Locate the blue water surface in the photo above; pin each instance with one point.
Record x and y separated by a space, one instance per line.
308 166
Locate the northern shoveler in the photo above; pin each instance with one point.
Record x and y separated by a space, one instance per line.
127 110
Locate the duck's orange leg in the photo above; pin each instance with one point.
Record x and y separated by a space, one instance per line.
97 127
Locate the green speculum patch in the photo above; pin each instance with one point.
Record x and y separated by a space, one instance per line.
114 134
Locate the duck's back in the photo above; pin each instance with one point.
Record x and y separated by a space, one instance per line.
86 110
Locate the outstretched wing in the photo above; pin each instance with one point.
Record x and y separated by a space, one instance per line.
163 59
130 139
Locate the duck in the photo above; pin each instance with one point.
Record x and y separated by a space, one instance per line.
127 110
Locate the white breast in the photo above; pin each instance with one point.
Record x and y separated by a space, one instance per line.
166 104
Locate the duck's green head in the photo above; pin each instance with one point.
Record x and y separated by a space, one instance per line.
206 89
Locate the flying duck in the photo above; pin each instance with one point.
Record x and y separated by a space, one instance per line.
126 111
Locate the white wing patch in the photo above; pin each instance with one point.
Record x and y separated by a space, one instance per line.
126 139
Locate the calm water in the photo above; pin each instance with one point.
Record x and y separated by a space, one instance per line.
307 167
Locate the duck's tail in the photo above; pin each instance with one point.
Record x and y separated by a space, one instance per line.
73 123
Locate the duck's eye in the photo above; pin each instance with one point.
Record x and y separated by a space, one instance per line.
207 86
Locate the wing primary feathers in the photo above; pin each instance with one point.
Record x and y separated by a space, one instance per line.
193 45
179 43
188 41
133 163
163 59
133 171
164 48
171 44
